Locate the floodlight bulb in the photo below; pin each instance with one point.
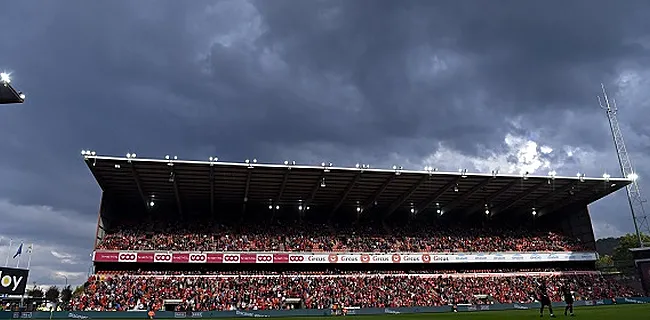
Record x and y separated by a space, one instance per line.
277 207
356 166
167 157
247 161
133 155
358 209
128 155
286 162
151 204
270 207
83 152
487 211
4 77
92 153
606 175
412 210
633 176
254 160
22 96
394 167
300 208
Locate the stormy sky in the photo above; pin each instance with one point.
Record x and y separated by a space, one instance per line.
475 84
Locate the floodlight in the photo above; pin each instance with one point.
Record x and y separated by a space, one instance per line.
166 157
5 78
286 163
358 209
21 95
633 176
487 211
277 207
412 210
151 204
606 176
300 207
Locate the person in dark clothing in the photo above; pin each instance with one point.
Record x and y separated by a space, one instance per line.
568 299
544 300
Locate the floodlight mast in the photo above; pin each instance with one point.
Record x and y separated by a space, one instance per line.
634 197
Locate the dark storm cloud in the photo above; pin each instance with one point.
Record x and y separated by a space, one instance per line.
343 81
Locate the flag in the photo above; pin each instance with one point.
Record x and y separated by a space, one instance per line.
19 251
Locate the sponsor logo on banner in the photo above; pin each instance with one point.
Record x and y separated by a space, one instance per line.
250 314
162 257
248 258
319 258
535 257
296 258
471 308
480 257
411 258
461 257
349 259
426 258
333 258
145 257
198 258
196 314
517 257
22 315
180 315
127 257
389 311
215 257
230 258
520 307
553 257
439 258
73 315
499 257
396 258
103 256
281 258
264 258
485 308
380 258
365 258
13 281
180 257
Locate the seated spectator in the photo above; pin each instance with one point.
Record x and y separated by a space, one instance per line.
310 237
130 292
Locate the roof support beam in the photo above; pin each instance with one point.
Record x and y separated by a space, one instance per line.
212 190
346 192
314 190
375 196
136 178
176 192
397 203
466 195
433 197
548 207
285 178
493 196
246 189
549 197
520 197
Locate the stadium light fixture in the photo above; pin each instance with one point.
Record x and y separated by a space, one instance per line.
322 183
495 173
356 165
22 95
300 207
552 174
151 204
286 162
213 159
412 210
5 78
358 209
632 176
277 207
581 177
606 176
270 207
525 176
534 212
456 188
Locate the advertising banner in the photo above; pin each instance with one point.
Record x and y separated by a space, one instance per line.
329 258
13 281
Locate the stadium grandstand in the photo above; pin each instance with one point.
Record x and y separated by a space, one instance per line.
182 235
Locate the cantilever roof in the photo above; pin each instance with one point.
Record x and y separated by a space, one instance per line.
9 95
338 188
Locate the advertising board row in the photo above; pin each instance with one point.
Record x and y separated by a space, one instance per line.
326 258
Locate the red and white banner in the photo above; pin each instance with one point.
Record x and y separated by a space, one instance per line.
328 258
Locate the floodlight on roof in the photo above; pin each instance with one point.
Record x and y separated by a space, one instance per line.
439 211
277 207
632 176
286 162
606 176
534 212
463 173
495 173
356 165
247 161
300 207
552 174
166 157
270 207
358 209
212 159
254 160
21 95
412 210
5 77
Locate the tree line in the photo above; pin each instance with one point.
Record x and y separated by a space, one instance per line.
614 253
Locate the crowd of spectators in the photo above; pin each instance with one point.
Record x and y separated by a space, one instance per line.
129 292
319 238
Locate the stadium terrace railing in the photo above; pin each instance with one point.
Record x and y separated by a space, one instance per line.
327 258
300 313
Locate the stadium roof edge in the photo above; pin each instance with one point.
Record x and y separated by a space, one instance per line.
388 170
